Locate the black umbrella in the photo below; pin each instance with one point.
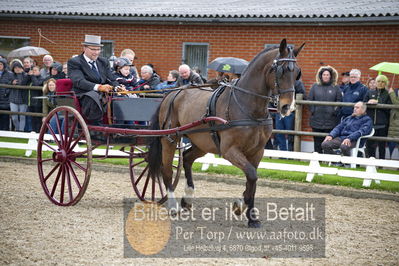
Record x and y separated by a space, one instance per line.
229 64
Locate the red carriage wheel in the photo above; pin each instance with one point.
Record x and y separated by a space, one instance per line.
64 168
147 188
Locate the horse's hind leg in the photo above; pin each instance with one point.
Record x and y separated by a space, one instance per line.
189 156
168 152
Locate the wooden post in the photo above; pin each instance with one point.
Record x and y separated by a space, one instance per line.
45 106
298 123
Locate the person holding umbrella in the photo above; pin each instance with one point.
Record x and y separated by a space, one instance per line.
393 130
226 65
380 117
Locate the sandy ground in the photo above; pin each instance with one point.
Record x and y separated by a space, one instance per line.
34 231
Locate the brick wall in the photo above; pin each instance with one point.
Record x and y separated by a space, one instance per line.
343 47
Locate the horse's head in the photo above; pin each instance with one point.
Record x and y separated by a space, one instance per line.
285 72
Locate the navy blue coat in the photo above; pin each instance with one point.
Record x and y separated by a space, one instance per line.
353 93
353 127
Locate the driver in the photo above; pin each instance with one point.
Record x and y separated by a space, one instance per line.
91 74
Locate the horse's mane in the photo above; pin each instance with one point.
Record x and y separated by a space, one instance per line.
259 55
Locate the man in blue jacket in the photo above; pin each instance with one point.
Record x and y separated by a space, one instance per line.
345 135
353 92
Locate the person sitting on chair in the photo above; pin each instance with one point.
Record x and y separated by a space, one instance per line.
346 133
91 74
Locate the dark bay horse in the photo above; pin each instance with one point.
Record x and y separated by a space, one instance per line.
272 73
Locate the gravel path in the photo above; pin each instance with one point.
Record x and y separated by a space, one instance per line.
34 231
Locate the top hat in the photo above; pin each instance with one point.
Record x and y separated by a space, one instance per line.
92 40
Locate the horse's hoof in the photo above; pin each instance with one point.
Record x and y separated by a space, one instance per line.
254 224
185 204
173 212
239 207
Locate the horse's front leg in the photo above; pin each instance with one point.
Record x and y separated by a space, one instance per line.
237 158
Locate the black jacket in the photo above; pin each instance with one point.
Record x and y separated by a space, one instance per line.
325 117
380 117
83 77
152 82
36 81
19 96
193 79
5 78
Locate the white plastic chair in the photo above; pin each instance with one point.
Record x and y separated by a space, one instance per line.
355 151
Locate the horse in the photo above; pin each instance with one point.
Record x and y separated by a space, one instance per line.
269 76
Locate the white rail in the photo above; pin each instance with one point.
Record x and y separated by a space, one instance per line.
312 169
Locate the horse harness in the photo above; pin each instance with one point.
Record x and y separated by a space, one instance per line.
213 128
277 66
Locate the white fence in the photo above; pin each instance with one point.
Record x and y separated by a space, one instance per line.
312 169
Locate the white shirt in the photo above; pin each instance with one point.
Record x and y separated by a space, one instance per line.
88 60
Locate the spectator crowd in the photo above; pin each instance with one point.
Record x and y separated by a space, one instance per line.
344 125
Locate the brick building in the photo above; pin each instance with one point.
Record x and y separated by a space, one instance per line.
346 35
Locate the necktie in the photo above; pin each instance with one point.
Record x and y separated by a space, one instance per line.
95 70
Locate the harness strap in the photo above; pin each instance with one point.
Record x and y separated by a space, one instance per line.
211 111
247 91
234 123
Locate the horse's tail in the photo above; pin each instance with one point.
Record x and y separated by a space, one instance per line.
154 148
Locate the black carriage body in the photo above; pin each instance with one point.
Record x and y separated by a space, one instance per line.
134 109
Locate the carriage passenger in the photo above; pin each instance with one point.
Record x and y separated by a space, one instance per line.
170 82
188 77
131 55
149 80
123 74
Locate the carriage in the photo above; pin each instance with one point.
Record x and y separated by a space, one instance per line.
231 121
67 143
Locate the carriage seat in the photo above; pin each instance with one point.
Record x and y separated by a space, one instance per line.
63 87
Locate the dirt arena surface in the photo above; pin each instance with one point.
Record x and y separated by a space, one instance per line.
34 231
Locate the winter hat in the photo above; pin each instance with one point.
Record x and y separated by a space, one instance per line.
4 62
16 64
57 66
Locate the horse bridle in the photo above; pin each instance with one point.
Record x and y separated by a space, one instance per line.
277 67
